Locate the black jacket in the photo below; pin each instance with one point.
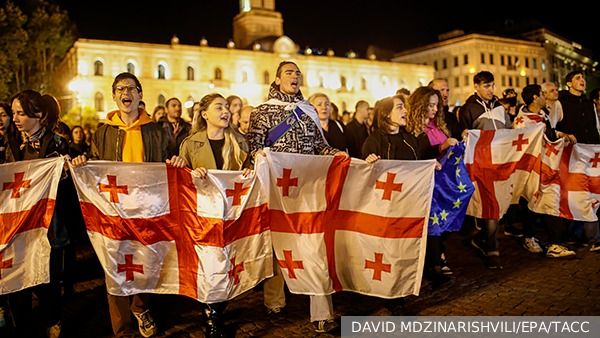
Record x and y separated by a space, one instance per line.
401 146
174 140
452 123
356 134
471 114
579 118
336 135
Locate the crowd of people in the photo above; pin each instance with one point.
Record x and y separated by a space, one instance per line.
225 133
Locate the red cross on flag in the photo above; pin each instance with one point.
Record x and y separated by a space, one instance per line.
27 201
157 229
568 183
348 225
500 163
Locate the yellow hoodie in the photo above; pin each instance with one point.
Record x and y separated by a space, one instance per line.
133 145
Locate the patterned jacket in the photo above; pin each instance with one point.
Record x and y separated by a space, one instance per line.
304 137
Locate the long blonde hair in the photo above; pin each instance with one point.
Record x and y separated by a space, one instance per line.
417 112
232 152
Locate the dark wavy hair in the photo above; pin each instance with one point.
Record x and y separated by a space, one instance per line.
45 107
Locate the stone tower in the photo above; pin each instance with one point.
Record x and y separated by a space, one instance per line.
257 19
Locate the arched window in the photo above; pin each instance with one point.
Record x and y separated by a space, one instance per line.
98 68
266 77
161 100
99 101
130 68
161 72
363 84
218 74
343 81
244 76
190 73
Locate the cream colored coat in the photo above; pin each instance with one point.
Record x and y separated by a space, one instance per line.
196 150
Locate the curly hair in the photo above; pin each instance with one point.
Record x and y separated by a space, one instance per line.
417 113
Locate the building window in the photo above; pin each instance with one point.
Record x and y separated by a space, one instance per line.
244 76
510 60
535 80
466 80
190 73
99 101
343 81
435 65
527 81
503 80
456 82
483 58
98 68
444 64
466 59
526 62
161 100
456 61
266 77
218 74
363 84
502 60
534 63
491 59
517 82
130 68
510 81
161 72
516 60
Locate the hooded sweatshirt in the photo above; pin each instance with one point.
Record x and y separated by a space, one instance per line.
479 114
133 146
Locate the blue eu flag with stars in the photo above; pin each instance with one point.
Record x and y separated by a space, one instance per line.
451 193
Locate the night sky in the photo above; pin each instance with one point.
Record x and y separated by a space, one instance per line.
338 24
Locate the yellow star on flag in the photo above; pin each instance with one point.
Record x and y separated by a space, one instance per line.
462 187
456 204
444 214
434 219
457 172
450 153
457 160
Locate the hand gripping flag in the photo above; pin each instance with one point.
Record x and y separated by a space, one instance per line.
158 229
451 193
27 201
341 225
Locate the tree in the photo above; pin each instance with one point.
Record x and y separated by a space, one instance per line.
38 37
13 39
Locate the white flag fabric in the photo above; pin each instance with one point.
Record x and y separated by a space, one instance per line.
500 163
158 229
346 225
567 181
27 202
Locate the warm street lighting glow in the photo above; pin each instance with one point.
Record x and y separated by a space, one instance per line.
80 86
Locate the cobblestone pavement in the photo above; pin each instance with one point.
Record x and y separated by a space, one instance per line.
529 284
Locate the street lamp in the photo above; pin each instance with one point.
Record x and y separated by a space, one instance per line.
80 87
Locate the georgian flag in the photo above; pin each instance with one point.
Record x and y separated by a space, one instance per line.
348 225
158 229
567 181
27 201
499 164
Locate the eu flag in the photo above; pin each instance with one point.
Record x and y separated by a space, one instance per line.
451 193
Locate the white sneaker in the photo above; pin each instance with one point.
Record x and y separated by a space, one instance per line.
532 245
146 324
559 251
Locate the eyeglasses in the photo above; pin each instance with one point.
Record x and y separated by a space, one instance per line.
122 89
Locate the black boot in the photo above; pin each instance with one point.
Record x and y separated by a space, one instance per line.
214 321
